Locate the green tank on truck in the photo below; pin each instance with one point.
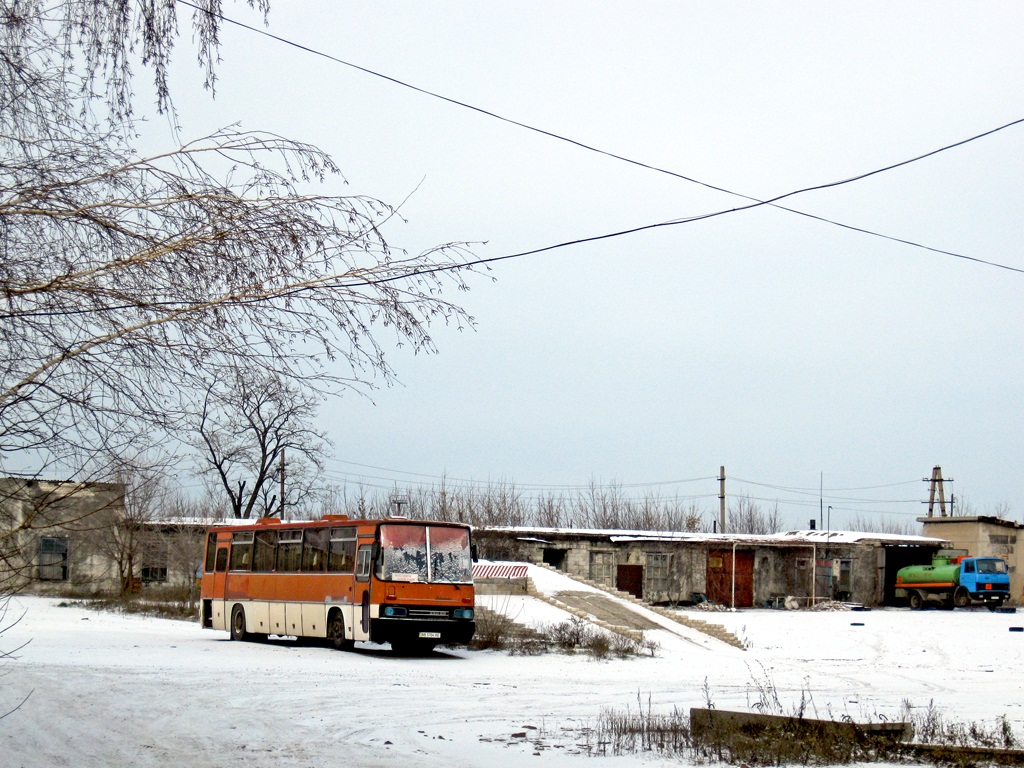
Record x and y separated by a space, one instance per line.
955 581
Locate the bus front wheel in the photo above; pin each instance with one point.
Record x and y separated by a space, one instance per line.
238 624
336 633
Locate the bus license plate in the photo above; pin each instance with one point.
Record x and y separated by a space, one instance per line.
431 635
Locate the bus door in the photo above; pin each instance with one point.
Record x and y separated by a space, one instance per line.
361 597
220 575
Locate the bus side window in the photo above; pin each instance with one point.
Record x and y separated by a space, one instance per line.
241 551
363 560
222 559
211 551
342 556
266 546
314 550
289 551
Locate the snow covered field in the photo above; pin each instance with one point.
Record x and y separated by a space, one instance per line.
111 690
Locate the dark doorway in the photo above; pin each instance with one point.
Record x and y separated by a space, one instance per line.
630 578
720 578
900 557
555 558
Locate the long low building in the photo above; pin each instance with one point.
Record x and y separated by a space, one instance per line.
737 570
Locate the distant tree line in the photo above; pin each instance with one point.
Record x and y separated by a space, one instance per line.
595 506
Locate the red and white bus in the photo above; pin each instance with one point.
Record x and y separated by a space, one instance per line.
399 581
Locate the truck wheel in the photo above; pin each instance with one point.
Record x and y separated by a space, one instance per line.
238 624
961 599
916 601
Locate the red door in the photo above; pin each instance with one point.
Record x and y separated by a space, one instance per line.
722 588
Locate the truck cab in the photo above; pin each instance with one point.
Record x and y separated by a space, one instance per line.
985 579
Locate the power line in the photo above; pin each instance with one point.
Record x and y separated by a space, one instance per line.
805 497
756 202
443 478
816 489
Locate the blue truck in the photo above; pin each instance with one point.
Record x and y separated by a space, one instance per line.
955 581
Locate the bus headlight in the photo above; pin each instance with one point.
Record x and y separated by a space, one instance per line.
394 611
462 613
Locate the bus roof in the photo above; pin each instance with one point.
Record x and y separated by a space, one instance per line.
264 523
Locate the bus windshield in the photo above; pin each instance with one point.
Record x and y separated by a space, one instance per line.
425 553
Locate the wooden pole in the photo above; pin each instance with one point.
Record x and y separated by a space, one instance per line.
721 500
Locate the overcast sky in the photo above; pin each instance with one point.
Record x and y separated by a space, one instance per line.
797 353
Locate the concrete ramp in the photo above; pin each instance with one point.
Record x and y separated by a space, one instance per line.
606 609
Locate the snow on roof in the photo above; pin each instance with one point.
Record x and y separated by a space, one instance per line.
789 537
853 537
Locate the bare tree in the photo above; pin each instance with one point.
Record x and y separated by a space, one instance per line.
186 521
127 283
9 618
247 428
504 504
1003 510
746 516
123 539
884 524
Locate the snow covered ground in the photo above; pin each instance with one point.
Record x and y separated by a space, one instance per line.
112 690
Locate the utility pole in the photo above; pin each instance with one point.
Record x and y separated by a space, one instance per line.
282 483
398 502
937 484
721 500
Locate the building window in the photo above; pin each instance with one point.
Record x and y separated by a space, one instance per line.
154 559
656 572
602 568
53 558
152 573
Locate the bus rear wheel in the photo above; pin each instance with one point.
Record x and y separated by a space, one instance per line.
238 624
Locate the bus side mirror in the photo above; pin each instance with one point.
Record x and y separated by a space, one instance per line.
375 552
474 553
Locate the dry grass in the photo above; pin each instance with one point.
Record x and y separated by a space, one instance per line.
497 631
793 739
